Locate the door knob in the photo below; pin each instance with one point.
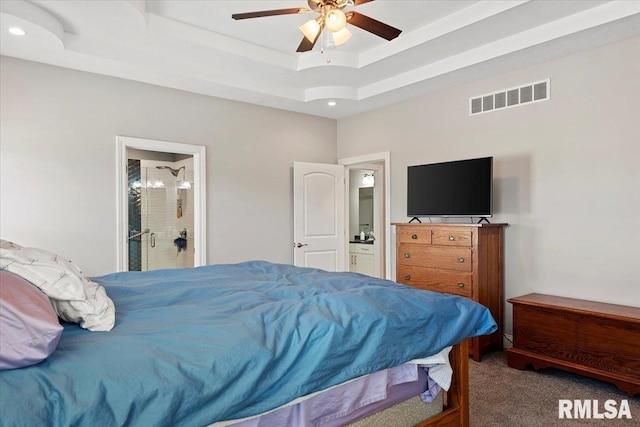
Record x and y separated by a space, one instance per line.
299 245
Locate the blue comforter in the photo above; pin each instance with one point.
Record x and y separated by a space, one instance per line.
195 346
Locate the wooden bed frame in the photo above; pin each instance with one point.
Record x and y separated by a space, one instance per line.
455 410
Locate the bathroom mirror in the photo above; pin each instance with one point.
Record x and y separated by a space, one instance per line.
365 209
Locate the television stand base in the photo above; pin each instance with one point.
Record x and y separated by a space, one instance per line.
415 218
483 219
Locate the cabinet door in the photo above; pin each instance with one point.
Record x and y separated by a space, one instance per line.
363 264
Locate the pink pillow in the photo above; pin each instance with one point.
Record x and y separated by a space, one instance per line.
29 326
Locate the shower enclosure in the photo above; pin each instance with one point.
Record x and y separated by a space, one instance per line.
161 214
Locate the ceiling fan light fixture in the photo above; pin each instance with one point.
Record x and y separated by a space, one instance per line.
335 20
310 29
340 37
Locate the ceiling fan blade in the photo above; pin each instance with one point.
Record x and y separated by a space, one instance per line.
373 26
260 14
359 2
306 45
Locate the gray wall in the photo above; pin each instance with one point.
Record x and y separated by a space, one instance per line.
58 172
567 171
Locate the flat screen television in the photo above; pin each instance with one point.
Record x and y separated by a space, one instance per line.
459 188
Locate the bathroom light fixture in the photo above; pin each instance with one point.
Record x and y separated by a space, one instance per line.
156 184
17 31
368 180
332 103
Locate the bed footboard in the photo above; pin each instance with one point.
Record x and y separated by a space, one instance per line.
455 411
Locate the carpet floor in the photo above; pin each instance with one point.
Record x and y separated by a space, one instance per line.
504 397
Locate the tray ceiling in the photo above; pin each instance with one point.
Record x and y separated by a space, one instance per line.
195 45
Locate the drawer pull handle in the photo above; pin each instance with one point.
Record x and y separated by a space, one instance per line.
452 238
407 277
407 255
460 285
414 236
460 259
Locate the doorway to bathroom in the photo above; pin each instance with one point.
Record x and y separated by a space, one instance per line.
160 205
365 225
161 209
368 213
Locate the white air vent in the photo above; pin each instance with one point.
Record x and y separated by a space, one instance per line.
512 97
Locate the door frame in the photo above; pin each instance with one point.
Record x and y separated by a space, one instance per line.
360 161
122 206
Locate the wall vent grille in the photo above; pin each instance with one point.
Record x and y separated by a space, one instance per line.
512 97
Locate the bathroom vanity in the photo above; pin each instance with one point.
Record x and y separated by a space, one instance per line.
361 257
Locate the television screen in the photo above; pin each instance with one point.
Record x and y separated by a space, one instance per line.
460 188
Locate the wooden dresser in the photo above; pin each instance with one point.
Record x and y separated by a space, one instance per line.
460 259
584 337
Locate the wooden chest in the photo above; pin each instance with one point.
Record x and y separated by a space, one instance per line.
460 259
589 338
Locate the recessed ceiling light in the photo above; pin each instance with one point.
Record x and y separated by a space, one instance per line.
17 31
331 103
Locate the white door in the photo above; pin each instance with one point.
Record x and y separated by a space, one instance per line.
318 216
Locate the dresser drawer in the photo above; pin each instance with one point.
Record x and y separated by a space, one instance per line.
451 237
436 280
447 258
415 234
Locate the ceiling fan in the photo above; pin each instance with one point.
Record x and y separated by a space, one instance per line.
333 18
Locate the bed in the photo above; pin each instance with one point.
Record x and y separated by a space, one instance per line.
225 344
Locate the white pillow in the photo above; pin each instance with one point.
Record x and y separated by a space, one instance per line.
74 297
